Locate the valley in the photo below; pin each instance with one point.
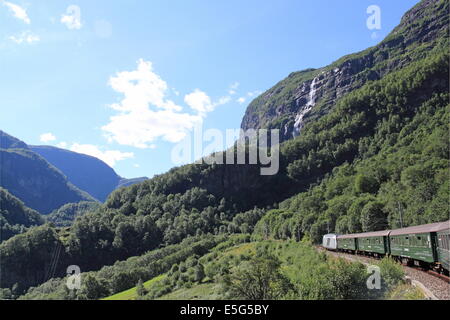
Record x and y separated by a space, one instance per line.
364 147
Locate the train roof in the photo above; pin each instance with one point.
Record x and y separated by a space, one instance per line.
425 228
365 234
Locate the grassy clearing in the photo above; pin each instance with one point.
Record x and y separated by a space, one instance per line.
204 291
131 294
406 292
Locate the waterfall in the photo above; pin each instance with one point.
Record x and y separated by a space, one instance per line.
298 125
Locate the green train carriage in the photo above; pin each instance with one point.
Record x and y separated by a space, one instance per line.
425 245
376 243
443 246
419 244
347 242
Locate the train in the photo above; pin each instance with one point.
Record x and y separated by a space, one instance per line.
426 246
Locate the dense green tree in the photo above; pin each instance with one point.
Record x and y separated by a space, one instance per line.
366 184
92 288
373 218
140 289
199 274
258 279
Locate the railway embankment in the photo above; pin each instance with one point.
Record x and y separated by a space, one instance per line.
432 287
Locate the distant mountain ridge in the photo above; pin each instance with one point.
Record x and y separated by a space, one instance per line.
37 183
86 172
73 176
9 142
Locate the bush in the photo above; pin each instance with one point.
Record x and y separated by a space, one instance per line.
391 273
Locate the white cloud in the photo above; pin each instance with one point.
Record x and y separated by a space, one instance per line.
241 100
62 145
199 101
47 137
72 19
222 100
250 94
145 114
110 157
233 88
25 37
18 12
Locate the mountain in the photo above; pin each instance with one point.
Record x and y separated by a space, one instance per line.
38 184
15 217
10 142
86 172
376 156
123 182
309 94
64 216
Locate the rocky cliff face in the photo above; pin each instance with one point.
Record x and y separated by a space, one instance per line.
311 93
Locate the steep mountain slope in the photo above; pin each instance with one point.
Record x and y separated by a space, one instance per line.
10 142
368 129
87 173
38 184
15 217
65 215
309 94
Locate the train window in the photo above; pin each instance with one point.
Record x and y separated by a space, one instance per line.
419 241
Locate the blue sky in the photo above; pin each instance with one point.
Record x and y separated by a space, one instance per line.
127 80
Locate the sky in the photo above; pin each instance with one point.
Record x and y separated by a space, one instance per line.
128 81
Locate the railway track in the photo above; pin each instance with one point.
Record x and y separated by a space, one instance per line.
437 285
438 275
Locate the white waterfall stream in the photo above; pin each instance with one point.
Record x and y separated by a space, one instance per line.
298 125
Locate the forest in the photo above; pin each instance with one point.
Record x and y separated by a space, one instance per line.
377 159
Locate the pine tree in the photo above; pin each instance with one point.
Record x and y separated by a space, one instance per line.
140 289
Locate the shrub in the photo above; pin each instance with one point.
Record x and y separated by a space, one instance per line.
391 273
